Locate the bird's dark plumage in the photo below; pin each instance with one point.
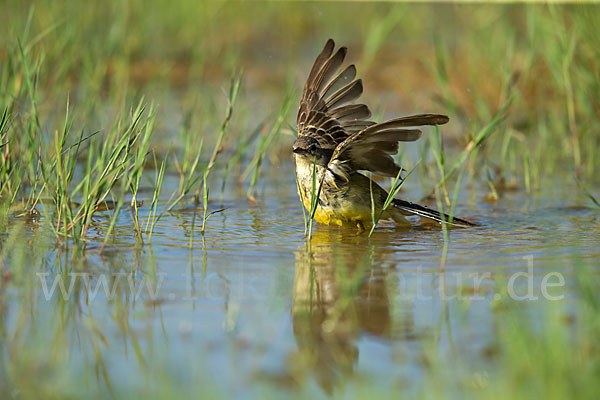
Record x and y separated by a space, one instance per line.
340 136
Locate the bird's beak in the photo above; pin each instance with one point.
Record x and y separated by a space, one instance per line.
298 150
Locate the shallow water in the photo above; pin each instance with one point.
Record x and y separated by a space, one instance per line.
252 303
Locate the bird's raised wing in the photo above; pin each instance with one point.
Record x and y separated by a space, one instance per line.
324 110
371 148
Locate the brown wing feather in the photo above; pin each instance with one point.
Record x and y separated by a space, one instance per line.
340 81
371 149
324 111
328 70
357 143
351 112
413 120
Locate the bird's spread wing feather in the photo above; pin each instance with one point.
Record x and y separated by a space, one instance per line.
371 149
324 111
345 129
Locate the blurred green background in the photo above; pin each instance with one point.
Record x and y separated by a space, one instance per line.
461 59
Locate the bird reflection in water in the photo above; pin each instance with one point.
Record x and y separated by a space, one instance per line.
340 293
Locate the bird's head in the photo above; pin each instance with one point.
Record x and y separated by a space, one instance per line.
309 148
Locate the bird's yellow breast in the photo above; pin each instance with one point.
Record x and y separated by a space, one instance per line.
337 205
323 215
304 178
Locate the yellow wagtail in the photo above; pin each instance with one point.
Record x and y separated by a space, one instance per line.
337 139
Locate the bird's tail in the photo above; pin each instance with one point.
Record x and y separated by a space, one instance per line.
408 208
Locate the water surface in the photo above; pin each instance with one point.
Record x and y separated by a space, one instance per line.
253 304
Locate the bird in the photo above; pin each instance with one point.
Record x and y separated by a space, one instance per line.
337 140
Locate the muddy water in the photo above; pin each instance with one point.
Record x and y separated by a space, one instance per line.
252 303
